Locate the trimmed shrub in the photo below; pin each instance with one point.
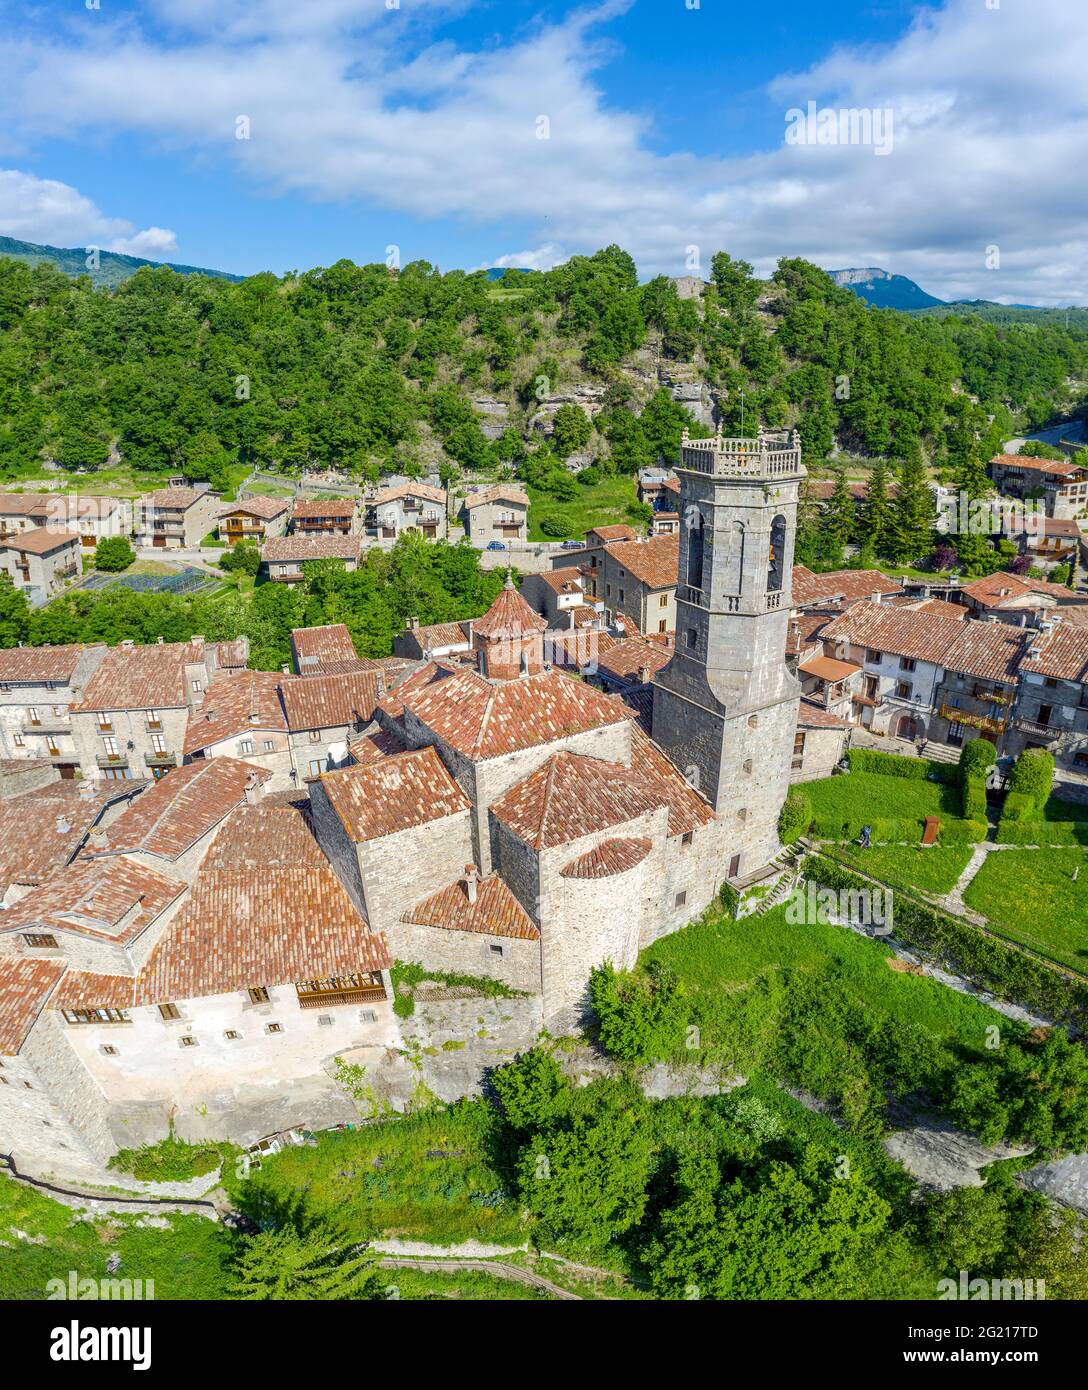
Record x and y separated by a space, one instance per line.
1004 971
892 765
974 797
1041 832
554 524
1033 774
963 832
795 817
113 553
976 759
1018 806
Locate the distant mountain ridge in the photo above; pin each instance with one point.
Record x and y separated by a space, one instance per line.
884 290
113 267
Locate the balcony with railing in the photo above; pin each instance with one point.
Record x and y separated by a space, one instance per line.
165 758
972 719
341 989
112 760
772 454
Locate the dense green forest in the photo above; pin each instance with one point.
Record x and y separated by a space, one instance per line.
364 368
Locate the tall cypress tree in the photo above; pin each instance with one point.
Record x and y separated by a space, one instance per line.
912 511
876 515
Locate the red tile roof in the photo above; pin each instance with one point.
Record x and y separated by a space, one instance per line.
441 636
241 928
613 533
1061 654
826 668
299 549
325 702
176 811
35 665
176 498
149 677
1001 590
333 506
988 650
265 836
610 857
564 581
41 541
33 844
264 507
848 585
570 796
395 793
393 700
623 661
502 493
25 985
378 743
1057 468
424 490
654 561
113 899
313 645
687 809
813 716
236 703
484 720
509 617
496 912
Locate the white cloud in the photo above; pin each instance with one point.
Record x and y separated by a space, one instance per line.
540 258
357 103
45 210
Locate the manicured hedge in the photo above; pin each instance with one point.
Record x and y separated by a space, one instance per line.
892 765
974 798
1033 774
1005 972
897 831
1011 831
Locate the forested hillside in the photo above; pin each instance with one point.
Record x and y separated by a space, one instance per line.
365 368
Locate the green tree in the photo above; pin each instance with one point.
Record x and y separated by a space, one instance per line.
572 429
287 1265
912 511
113 553
14 613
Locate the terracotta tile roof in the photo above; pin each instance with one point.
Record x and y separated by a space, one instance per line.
236 703
609 858
395 793
654 561
502 493
241 928
113 899
509 617
622 661
577 647
806 629
564 581
484 720
392 702
822 489
376 743
344 668
303 548
264 507
176 497
312 645
989 650
33 844
35 665
69 505
584 616
848 585
25 985
265 836
424 490
173 813
23 503
87 989
1061 654
826 668
441 636
814 716
324 702
570 796
41 540
232 656
1001 590
1075 615
687 809
333 506
613 533
496 912
1058 469
929 605
150 677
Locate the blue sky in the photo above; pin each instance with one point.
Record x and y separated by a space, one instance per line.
416 125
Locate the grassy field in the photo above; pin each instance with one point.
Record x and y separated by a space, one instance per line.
602 504
1031 896
470 1286
721 962
430 1176
861 794
935 869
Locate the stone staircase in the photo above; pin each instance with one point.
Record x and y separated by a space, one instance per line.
787 863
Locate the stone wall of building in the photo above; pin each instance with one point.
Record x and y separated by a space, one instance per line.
471 953
399 870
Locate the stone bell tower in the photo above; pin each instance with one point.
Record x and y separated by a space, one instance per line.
725 707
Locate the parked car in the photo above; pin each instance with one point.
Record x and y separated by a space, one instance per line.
571 545
496 545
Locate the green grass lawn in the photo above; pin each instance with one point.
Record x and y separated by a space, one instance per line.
184 1261
935 869
429 1176
602 504
861 794
1030 896
472 1286
720 961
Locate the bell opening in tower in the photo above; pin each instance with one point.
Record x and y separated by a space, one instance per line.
777 554
694 567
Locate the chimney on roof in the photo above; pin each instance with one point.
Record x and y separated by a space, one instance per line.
160 641
86 789
97 840
286 670
470 881
644 675
64 825
412 625
127 643
253 789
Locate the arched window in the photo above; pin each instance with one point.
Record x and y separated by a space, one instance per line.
777 557
694 569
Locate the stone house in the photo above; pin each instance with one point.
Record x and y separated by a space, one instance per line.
498 513
176 518
819 743
1017 598
315 649
324 714
555 594
336 516
1061 486
411 507
92 518
242 717
254 519
132 719
284 556
830 683
42 561
1051 709
431 641
635 579
38 686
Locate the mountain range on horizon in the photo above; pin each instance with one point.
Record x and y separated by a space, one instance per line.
113 266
